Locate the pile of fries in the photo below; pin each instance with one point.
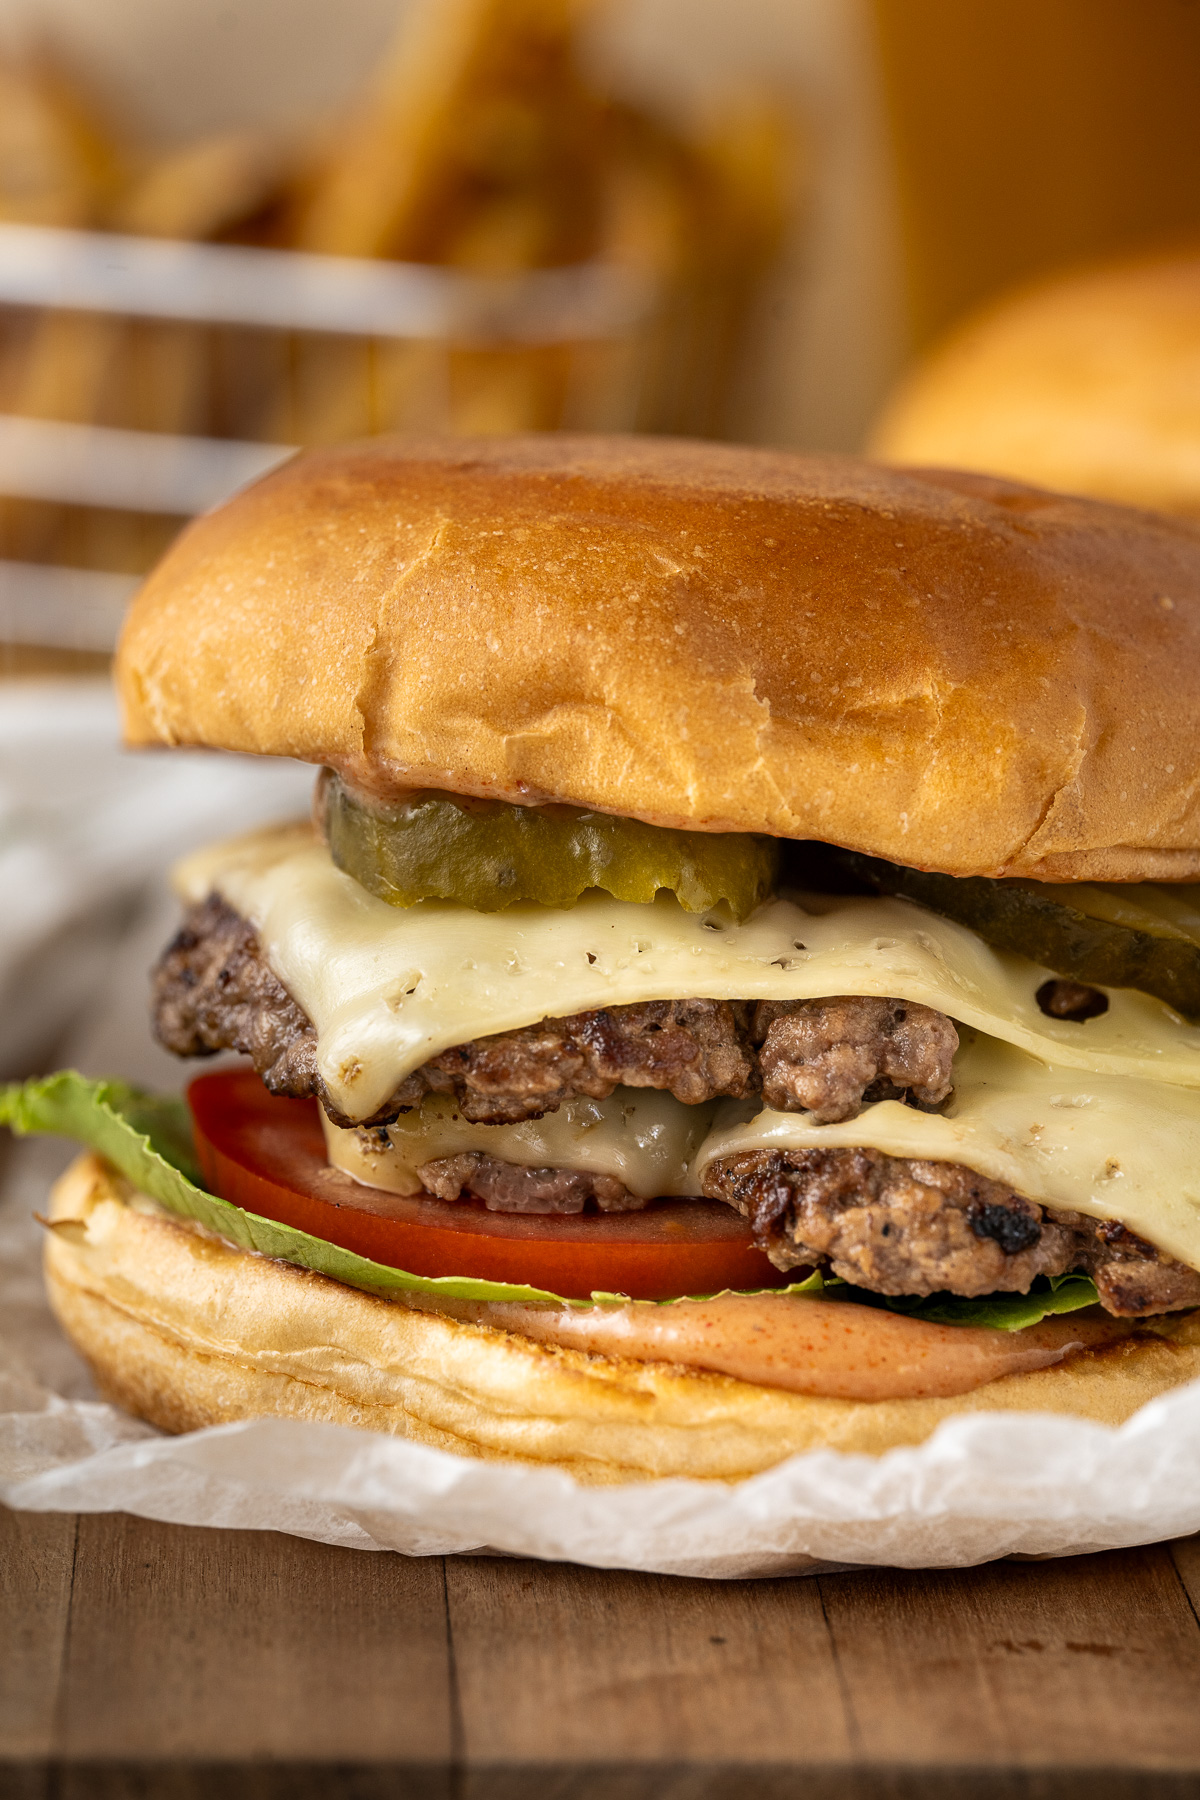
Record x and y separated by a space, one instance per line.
480 146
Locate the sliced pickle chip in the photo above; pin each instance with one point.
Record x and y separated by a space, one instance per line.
488 854
1138 936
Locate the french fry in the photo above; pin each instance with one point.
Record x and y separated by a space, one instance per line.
202 191
56 166
483 149
475 151
473 92
479 147
147 376
75 368
494 392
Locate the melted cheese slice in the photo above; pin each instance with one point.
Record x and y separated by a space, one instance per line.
1097 1144
1067 1138
647 1140
387 987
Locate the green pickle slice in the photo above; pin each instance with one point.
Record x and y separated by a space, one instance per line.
488 854
1139 936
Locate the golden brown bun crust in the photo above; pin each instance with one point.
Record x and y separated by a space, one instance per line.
189 1332
935 668
1088 382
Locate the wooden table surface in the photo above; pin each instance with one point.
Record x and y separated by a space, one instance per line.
139 1659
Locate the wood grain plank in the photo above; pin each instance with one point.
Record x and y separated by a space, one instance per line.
258 1780
238 1644
771 1782
1185 1554
192 1652
1085 1662
558 1664
36 1551
340 1781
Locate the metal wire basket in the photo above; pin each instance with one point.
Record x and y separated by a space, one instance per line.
142 381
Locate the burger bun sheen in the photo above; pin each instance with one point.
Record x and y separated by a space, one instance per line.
950 671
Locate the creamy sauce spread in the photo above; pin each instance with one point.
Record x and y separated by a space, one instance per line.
829 1348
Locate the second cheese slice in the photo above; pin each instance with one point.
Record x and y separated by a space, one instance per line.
387 987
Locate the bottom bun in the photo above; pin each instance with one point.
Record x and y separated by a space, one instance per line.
187 1331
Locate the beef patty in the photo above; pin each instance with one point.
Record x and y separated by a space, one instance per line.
894 1225
899 1225
213 990
507 1187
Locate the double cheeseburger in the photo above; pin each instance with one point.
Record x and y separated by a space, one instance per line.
736 992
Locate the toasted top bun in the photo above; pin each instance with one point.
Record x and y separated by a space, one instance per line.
1089 382
187 1331
945 670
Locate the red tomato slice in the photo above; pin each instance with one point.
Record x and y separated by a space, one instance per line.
268 1156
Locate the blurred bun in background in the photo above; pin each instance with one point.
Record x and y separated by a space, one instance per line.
1088 381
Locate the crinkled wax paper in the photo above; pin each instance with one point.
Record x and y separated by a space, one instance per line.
982 1487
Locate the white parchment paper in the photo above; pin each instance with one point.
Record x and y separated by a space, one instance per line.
982 1487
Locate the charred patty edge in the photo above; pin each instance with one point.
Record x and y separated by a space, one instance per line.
915 1226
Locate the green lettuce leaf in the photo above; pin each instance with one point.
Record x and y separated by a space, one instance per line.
148 1138
1003 1312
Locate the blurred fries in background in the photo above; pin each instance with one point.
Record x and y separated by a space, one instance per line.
84 369
482 149
480 146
